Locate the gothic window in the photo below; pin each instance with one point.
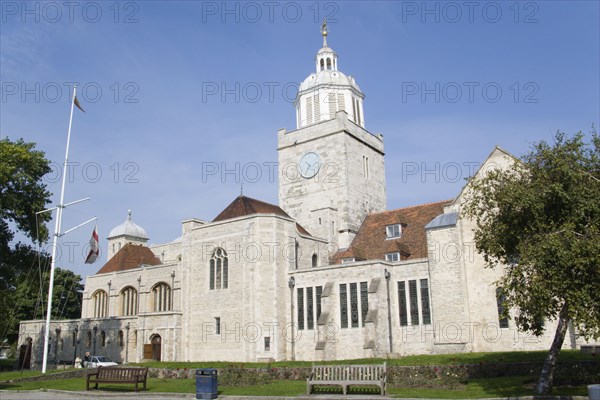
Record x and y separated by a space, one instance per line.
129 301
343 306
219 270
310 321
103 338
393 231
74 335
88 339
328 63
322 64
353 305
414 302
425 308
161 297
318 292
366 167
501 301
402 303
300 308
218 325
315 260
99 298
121 339
364 301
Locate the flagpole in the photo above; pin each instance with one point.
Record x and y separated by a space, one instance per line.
57 227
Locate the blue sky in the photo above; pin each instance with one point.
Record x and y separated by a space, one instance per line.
444 81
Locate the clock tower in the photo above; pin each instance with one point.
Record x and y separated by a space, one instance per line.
331 169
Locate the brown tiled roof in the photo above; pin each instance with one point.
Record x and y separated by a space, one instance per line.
243 206
371 243
129 257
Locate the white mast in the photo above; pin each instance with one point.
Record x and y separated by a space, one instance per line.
57 227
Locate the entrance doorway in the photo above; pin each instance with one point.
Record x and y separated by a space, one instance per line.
152 351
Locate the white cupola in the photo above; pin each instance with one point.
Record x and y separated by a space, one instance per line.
127 232
327 91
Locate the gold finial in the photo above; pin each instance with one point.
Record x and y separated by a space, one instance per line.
324 32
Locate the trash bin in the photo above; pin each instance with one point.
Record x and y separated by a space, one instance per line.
206 383
594 392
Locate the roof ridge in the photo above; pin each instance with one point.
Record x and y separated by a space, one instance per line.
414 206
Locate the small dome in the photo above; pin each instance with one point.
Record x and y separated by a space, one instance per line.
128 228
336 78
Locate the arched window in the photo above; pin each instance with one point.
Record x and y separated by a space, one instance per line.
121 339
88 339
100 310
161 297
219 270
129 301
103 338
328 63
74 335
315 260
322 64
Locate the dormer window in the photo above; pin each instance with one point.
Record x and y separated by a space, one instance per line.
392 257
393 231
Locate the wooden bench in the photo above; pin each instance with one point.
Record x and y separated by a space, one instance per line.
117 375
346 375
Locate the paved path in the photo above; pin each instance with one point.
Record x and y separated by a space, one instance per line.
66 395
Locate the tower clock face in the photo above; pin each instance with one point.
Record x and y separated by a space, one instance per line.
309 165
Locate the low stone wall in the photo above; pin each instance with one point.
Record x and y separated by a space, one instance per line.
431 376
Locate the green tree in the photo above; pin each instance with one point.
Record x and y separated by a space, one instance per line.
22 194
540 221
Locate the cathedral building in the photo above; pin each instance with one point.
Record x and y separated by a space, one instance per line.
328 273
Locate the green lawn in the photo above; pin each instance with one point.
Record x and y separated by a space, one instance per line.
476 388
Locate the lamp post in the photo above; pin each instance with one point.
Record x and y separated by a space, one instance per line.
292 284
127 327
388 275
94 342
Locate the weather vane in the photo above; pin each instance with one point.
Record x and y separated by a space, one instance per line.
324 32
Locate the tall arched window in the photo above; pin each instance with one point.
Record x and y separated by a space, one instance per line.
129 301
103 338
315 260
328 63
322 64
88 339
74 335
161 297
99 298
121 339
219 270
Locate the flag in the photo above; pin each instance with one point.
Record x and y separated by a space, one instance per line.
94 248
76 102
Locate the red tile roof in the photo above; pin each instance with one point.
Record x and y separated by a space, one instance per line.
130 256
243 206
371 243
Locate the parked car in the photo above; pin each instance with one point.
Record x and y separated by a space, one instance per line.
100 361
